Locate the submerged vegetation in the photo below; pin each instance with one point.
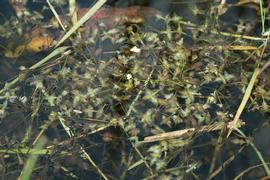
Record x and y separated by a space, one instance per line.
153 97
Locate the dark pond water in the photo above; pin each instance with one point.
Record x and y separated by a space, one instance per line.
111 148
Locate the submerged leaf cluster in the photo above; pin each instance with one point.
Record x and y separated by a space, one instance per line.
144 81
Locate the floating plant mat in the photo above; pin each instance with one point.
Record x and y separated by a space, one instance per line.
134 100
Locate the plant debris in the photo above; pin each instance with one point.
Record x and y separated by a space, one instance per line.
135 99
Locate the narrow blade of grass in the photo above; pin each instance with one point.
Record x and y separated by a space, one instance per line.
21 76
89 14
256 151
31 161
56 15
235 123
